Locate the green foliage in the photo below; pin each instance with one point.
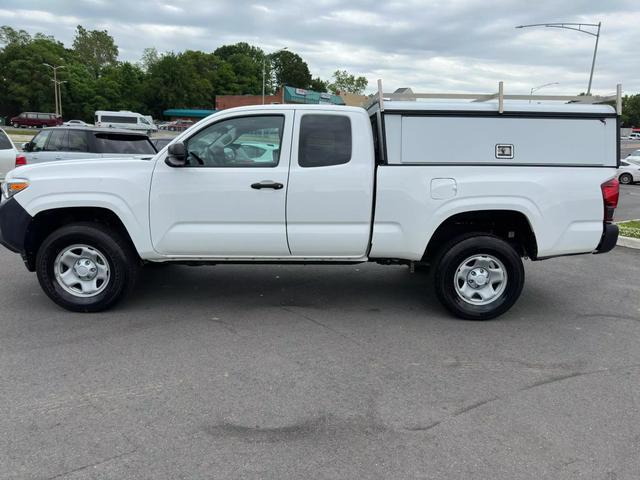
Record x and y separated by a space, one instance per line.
95 48
631 111
96 80
319 85
345 82
290 69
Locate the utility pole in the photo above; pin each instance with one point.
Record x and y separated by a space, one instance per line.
56 87
578 27
60 96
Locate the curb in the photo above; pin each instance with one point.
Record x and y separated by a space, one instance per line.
628 242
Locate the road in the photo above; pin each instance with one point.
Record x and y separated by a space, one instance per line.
287 372
629 203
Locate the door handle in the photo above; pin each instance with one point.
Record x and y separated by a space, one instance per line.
267 184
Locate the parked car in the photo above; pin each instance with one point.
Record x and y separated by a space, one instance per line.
629 171
635 156
125 120
9 155
254 152
179 125
634 136
76 123
35 120
392 184
68 143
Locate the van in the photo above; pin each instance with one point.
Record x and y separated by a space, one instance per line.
124 119
35 120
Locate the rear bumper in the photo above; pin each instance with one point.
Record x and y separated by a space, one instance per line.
14 222
609 238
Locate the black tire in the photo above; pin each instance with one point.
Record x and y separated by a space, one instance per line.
123 265
453 256
625 179
15 125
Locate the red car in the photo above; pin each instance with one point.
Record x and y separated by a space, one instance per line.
179 125
36 120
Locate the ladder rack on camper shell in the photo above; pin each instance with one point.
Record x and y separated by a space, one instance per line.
380 97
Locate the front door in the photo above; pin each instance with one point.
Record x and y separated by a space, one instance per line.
229 201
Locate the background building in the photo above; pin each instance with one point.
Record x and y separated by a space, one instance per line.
194 114
283 95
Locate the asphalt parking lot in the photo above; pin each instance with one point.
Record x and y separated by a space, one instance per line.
628 203
324 372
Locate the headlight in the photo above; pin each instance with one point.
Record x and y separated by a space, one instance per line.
11 187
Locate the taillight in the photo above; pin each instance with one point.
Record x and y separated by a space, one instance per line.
20 160
610 195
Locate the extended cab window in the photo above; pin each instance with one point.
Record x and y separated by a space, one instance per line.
238 142
325 140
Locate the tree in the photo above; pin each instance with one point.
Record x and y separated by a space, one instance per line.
247 63
95 48
25 83
150 57
631 111
290 69
10 35
319 85
345 82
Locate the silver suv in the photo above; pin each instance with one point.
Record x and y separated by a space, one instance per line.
68 143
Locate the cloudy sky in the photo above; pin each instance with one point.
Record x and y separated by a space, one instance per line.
430 45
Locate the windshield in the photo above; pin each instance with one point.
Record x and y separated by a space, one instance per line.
119 143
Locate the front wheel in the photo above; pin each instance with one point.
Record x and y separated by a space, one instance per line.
15 125
478 277
86 267
626 178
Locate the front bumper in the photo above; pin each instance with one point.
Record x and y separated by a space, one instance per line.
609 238
14 223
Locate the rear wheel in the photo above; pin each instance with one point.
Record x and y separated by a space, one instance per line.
478 277
86 267
626 178
15 125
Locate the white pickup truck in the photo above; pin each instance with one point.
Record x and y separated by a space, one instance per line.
465 188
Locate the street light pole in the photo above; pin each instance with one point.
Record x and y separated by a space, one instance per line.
56 86
60 95
578 27
593 62
535 89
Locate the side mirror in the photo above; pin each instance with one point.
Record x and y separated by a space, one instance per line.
176 155
26 147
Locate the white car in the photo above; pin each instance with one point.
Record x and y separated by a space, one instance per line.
635 156
9 155
634 136
629 171
76 123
